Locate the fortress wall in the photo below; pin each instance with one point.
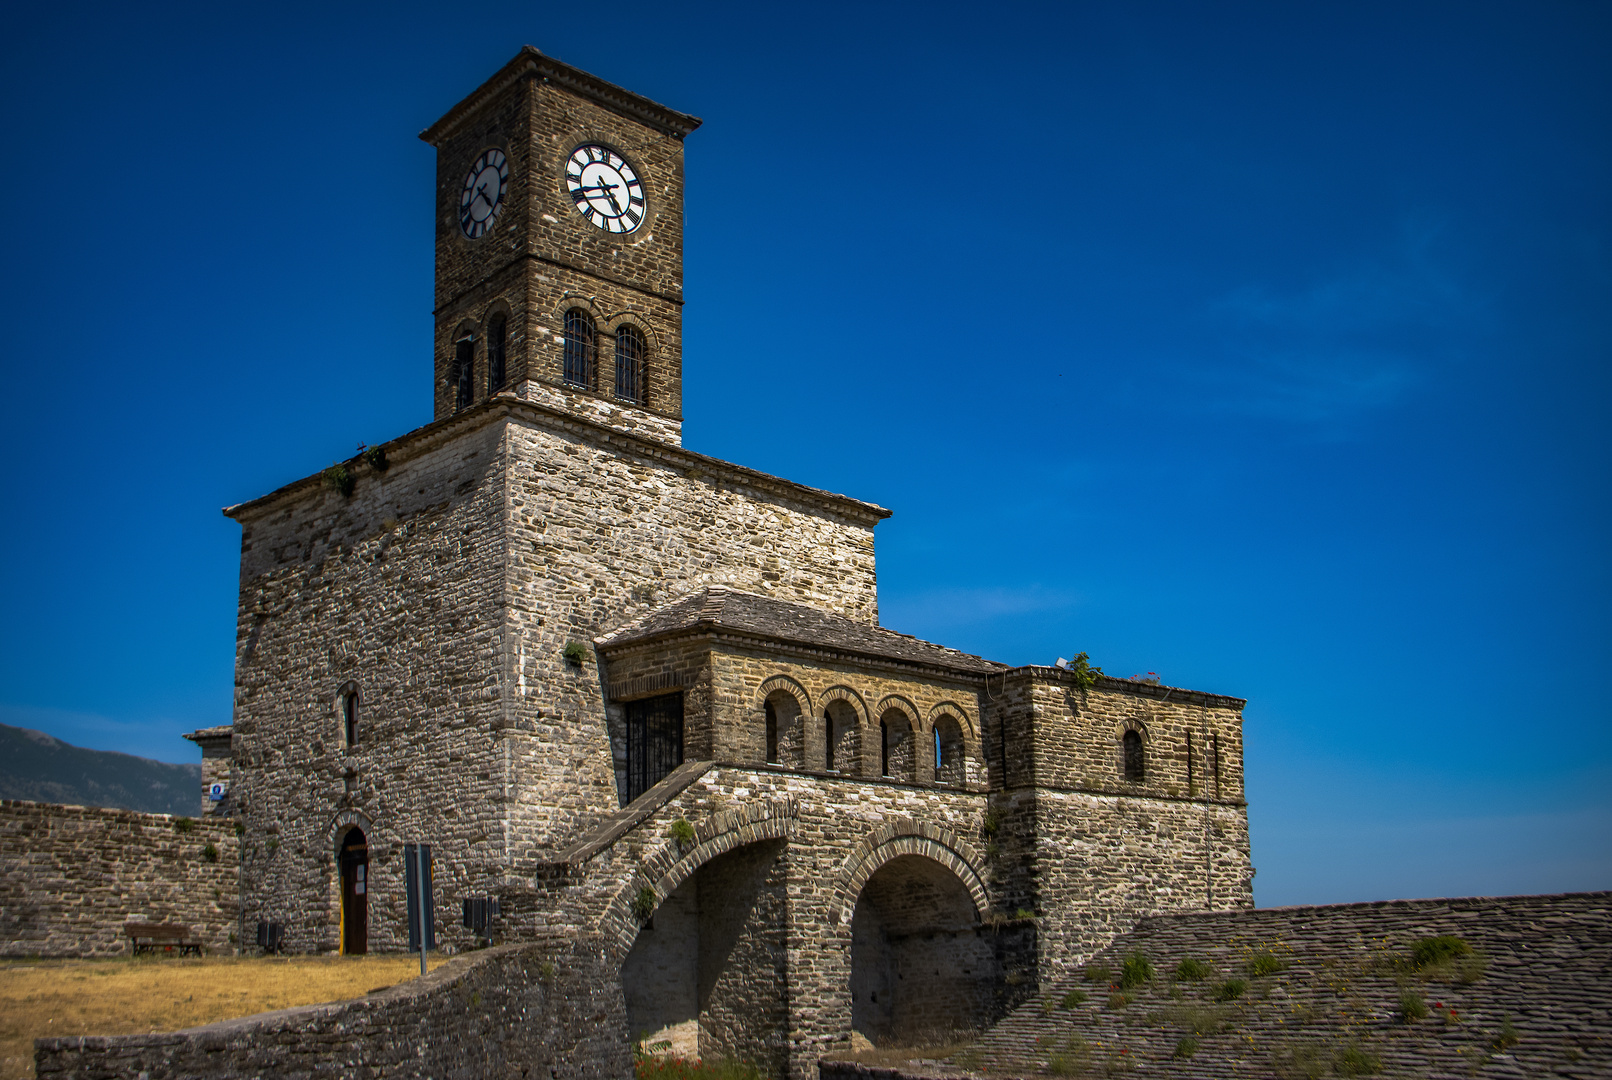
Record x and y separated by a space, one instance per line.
72 876
549 1009
398 590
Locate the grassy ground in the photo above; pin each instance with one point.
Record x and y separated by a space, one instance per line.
135 996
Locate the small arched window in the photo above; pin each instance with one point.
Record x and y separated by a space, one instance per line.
772 734
349 717
496 334
579 348
948 751
464 353
630 363
1135 767
828 743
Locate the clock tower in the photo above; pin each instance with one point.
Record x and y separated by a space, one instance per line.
559 235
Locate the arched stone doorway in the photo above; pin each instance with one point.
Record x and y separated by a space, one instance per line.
706 975
922 969
352 856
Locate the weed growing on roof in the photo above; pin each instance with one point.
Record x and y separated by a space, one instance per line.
1098 973
1436 950
1231 989
1073 998
1190 970
1198 1019
1265 963
1185 1047
1137 971
1411 1006
1354 1061
1507 1037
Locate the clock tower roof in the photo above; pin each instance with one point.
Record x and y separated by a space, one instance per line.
529 63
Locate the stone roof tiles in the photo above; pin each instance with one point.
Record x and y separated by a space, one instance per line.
721 608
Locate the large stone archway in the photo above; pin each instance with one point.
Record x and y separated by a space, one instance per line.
704 975
923 968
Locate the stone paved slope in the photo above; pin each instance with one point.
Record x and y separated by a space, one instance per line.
1335 1008
1548 971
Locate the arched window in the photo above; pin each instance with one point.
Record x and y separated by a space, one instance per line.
464 353
630 352
349 716
579 348
1135 768
496 334
772 734
948 751
828 742
895 732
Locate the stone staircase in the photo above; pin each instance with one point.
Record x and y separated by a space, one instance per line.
1325 992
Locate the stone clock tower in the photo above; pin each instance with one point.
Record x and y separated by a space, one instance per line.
559 270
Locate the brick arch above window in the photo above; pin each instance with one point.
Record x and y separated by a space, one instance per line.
628 318
789 686
1130 723
847 695
901 705
954 710
347 819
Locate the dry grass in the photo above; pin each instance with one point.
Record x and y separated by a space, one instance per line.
129 996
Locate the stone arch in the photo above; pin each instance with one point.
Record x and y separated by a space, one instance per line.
590 304
943 708
671 864
1131 723
788 686
896 701
847 695
905 836
629 318
338 826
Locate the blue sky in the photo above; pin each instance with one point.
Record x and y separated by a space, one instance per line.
1262 346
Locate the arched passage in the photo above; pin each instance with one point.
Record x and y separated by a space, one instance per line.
706 975
922 969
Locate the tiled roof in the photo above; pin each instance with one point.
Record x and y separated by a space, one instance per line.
722 608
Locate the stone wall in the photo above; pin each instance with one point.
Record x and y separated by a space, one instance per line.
547 1009
445 589
72 876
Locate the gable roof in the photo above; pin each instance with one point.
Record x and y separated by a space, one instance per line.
729 610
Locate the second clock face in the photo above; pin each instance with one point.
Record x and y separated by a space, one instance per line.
605 189
483 194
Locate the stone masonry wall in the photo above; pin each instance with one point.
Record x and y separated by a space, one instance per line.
396 592
445 590
603 530
72 876
549 1009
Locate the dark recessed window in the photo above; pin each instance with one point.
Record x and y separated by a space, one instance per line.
630 363
579 348
464 354
1135 770
349 717
772 734
654 741
495 353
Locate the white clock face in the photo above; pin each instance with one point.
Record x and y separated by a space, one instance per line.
483 196
606 190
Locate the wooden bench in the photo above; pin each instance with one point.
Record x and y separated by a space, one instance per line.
150 937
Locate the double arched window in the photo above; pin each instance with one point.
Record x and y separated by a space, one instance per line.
580 362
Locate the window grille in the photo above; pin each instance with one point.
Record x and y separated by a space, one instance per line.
630 352
828 743
884 748
495 353
579 348
654 741
463 366
1134 766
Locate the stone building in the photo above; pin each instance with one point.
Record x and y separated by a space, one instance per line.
642 695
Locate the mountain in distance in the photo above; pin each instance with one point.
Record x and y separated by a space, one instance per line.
42 768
